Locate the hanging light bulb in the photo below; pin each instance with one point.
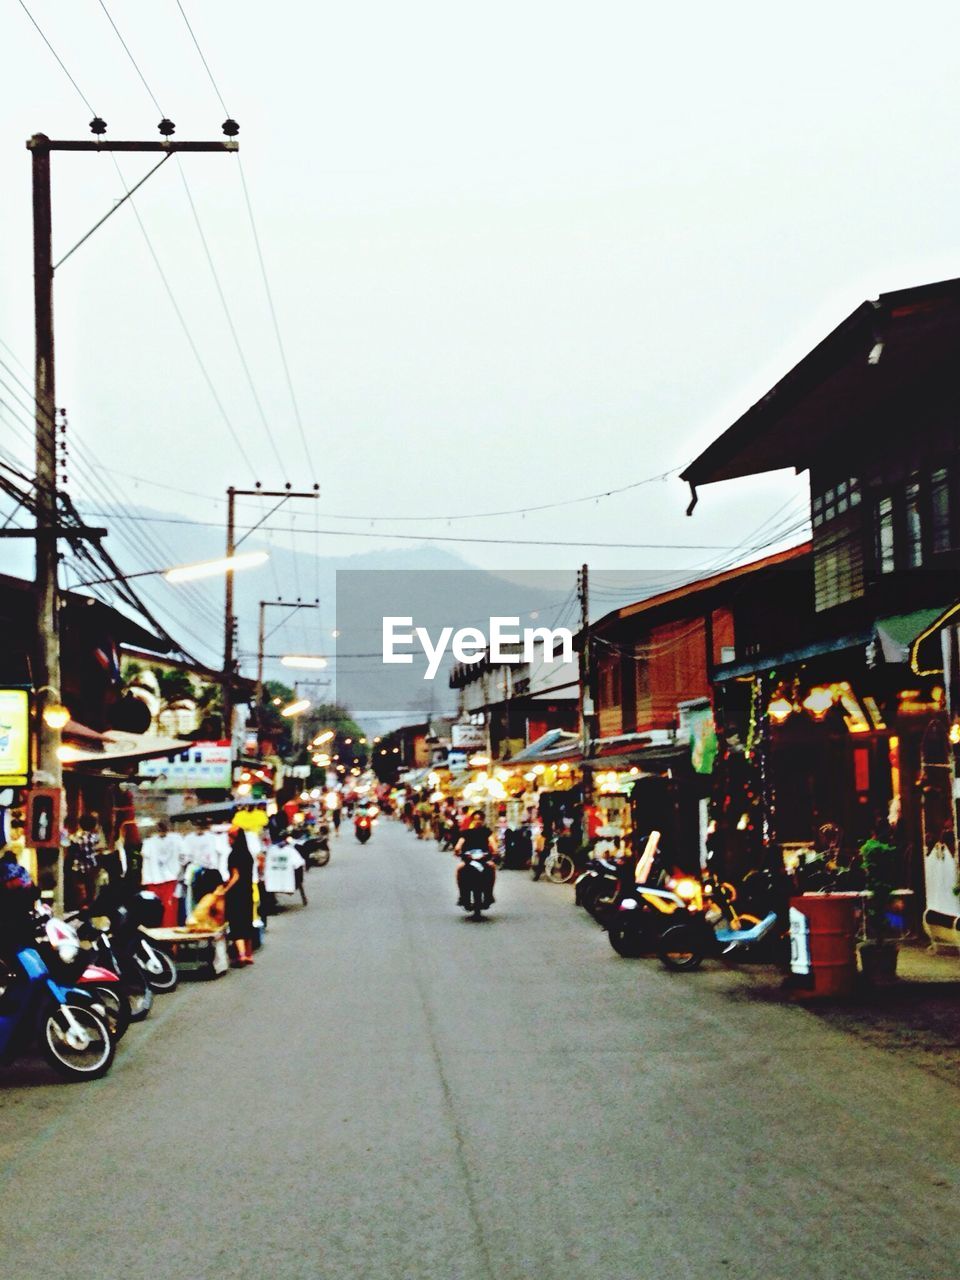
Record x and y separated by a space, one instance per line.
780 709
818 701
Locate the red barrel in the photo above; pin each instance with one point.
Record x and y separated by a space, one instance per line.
823 954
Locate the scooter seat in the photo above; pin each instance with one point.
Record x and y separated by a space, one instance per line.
745 936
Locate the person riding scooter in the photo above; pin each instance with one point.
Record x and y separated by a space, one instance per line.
477 838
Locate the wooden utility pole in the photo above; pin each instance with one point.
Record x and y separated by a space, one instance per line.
47 767
229 622
261 645
46 674
229 616
588 692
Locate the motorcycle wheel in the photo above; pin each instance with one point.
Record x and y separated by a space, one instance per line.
320 858
117 1009
158 969
679 949
77 1061
626 941
141 1002
561 869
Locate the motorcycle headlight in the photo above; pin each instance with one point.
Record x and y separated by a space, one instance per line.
68 950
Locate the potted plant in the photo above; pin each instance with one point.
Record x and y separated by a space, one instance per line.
878 954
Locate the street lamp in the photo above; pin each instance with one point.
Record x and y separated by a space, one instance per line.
315 663
187 572
210 568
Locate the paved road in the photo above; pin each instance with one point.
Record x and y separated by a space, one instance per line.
395 1092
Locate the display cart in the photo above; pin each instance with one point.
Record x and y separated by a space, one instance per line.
199 951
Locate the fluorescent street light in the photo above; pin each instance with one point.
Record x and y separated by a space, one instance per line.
295 708
210 568
302 660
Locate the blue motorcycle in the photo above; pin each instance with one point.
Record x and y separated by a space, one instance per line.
71 1032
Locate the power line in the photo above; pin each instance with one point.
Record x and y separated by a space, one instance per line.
260 255
133 60
413 537
83 97
153 254
206 65
229 318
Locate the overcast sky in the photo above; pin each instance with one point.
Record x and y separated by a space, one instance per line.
518 252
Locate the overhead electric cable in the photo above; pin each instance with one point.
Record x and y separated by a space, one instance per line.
83 97
268 291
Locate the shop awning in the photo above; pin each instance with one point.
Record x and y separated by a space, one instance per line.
222 809
639 751
896 634
555 744
772 662
114 747
926 658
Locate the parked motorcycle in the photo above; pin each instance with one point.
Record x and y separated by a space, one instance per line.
72 965
684 946
642 917
34 1010
601 885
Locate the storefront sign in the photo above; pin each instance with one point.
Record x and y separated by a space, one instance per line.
203 765
14 737
468 737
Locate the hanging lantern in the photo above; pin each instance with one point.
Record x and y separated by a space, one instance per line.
818 701
780 709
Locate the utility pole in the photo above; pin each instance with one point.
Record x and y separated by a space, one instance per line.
261 645
47 767
46 674
229 616
588 691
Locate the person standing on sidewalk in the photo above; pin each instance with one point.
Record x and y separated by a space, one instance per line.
239 896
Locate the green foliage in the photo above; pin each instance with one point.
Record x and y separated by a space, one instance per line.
877 859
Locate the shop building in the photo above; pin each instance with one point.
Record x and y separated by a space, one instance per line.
847 732
655 659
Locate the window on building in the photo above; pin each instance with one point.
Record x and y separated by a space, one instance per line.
837 568
884 539
835 501
914 524
941 537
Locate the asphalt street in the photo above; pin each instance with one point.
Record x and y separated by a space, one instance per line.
394 1091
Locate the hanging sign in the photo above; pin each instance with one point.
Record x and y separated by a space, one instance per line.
14 737
43 817
699 723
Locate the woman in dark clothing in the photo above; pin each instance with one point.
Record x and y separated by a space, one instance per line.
239 894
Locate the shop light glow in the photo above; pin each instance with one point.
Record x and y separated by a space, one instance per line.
210 568
296 708
55 715
818 701
780 709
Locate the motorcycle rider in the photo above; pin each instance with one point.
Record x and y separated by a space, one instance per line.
477 837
